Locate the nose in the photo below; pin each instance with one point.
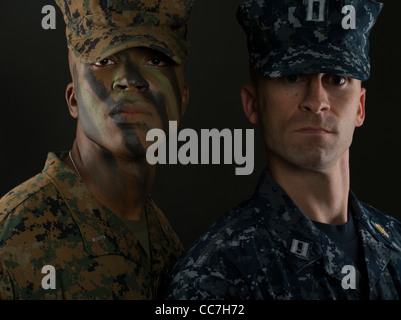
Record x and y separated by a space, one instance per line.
130 79
316 98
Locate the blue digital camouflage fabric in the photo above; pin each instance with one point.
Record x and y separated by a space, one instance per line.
97 29
53 219
288 37
266 248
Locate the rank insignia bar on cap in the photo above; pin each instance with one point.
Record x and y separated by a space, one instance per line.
288 37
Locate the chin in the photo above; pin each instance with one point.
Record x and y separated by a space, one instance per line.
314 163
316 159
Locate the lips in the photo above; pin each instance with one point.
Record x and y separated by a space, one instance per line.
129 109
314 130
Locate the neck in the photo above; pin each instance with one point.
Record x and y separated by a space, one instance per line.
122 184
321 194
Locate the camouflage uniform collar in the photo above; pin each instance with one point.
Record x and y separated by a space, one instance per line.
102 231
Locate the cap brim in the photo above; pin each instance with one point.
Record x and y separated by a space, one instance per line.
104 43
305 59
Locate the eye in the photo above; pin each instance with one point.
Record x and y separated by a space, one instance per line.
292 78
105 62
337 80
157 61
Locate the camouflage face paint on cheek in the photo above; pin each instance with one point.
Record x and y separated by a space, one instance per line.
87 109
154 97
172 76
158 101
168 86
98 87
129 135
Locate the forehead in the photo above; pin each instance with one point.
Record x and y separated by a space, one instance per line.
142 52
134 51
134 55
256 77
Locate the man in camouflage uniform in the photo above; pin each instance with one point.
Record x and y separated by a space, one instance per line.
88 219
303 234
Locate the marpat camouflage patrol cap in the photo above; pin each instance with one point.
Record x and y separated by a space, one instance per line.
97 29
288 37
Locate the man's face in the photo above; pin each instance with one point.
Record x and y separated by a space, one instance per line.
119 99
307 120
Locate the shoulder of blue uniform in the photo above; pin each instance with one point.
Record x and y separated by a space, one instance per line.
236 225
383 226
21 194
201 273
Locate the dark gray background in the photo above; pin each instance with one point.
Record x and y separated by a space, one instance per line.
34 117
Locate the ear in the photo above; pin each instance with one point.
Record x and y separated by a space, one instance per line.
360 116
249 103
71 100
184 99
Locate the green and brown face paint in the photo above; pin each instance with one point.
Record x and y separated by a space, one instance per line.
97 95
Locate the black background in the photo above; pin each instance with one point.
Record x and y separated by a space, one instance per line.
34 117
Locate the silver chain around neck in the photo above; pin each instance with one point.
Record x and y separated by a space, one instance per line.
73 163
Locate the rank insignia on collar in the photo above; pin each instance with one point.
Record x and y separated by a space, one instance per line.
380 228
385 234
300 248
99 237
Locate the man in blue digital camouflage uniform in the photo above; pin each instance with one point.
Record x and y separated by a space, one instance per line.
303 234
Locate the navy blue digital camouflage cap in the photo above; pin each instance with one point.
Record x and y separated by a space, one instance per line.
288 37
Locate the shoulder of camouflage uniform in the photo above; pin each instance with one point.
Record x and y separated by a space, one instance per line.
160 215
8 286
11 200
165 225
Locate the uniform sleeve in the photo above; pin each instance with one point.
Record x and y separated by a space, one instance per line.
6 283
196 282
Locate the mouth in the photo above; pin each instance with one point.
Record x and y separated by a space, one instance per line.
314 130
124 110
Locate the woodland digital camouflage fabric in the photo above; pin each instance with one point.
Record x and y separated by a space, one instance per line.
288 37
96 29
266 248
53 219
